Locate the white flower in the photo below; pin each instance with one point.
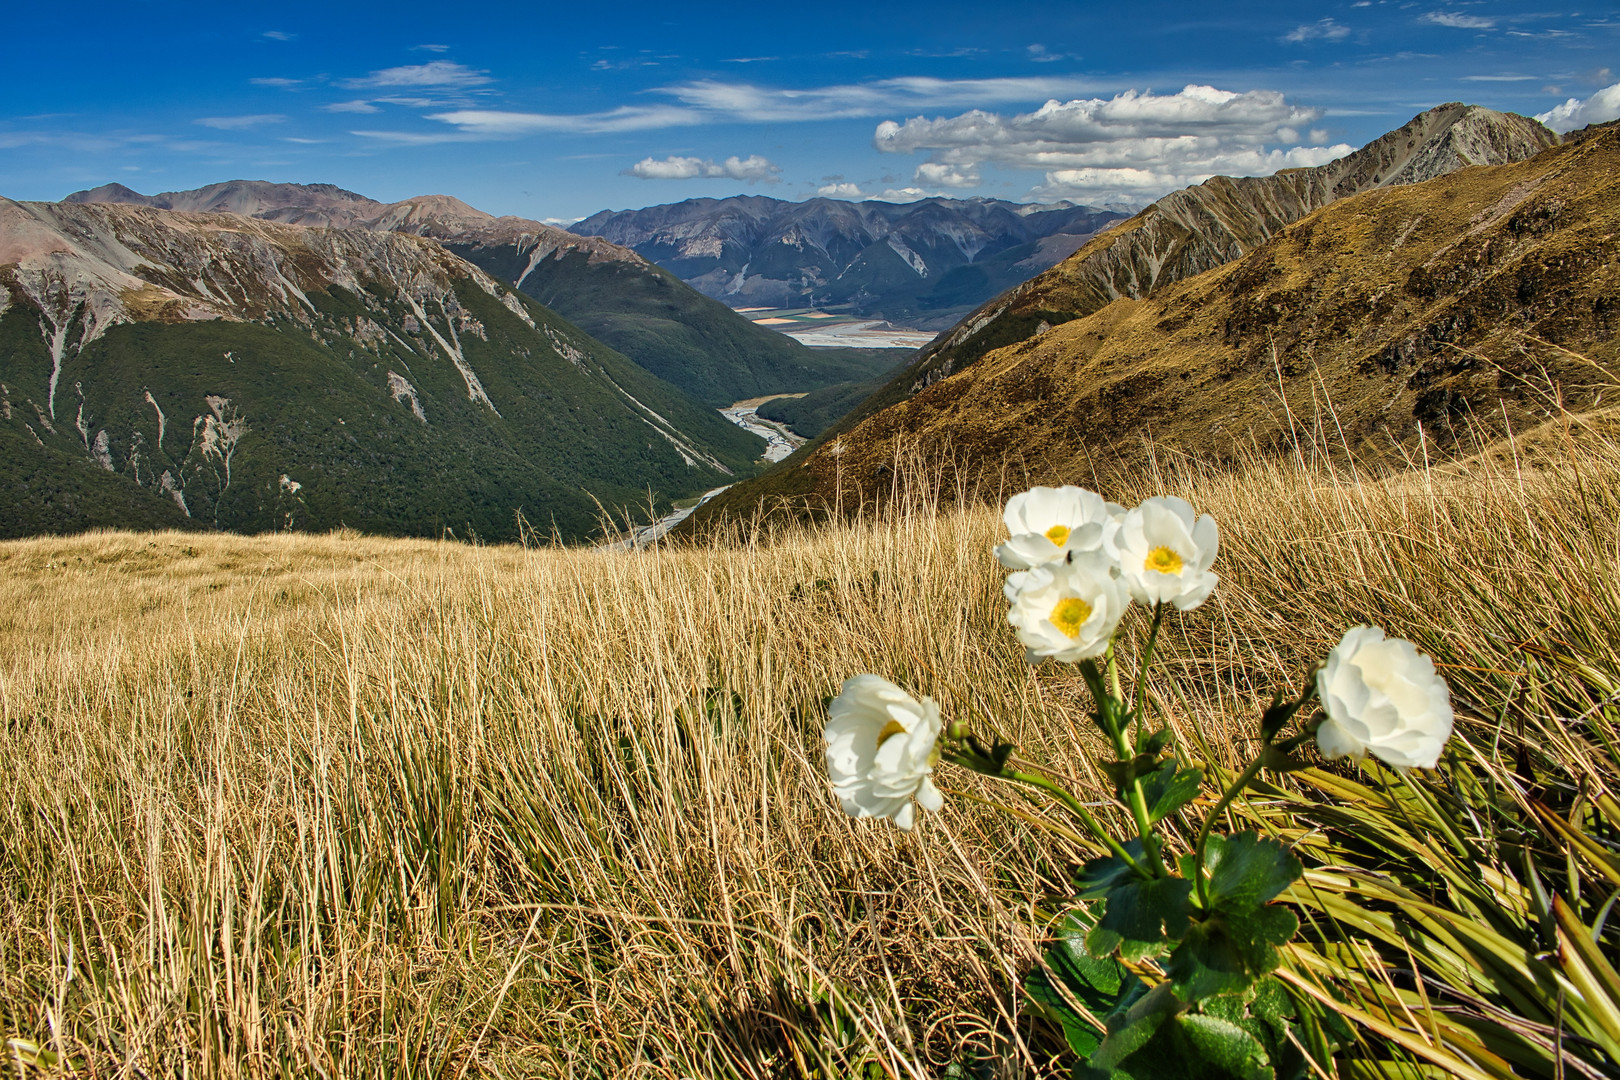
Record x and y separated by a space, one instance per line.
1382 696
1045 524
1067 610
880 750
1164 555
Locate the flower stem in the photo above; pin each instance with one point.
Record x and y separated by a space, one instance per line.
1147 658
1074 806
1209 819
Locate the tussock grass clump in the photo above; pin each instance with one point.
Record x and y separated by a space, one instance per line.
347 806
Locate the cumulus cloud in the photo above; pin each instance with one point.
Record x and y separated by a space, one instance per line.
442 73
1128 147
1600 108
1321 30
942 175
752 169
240 123
1458 21
841 189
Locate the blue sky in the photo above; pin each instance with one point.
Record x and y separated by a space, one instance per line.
556 111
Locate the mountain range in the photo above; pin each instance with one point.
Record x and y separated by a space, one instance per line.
610 292
920 264
1398 283
163 367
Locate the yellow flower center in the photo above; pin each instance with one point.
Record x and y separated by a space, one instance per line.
1058 534
1070 614
1164 560
890 730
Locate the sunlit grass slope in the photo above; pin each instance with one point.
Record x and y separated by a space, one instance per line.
332 805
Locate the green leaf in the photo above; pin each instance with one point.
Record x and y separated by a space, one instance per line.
1159 1040
1098 876
1101 987
1141 919
1225 952
1128 1032
1245 870
1168 789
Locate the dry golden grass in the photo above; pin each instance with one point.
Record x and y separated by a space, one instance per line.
344 806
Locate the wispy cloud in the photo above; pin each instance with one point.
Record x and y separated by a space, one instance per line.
1125 147
361 106
430 48
278 83
746 101
493 123
436 73
280 35
1458 21
1498 78
1321 30
752 169
1600 108
240 123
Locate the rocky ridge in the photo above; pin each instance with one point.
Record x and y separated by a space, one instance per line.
1423 314
610 291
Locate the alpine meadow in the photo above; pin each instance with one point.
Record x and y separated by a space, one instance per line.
869 544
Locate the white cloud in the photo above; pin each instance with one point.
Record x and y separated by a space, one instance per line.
1126 147
1498 78
434 73
240 123
752 169
280 35
1600 108
842 189
430 48
1321 30
953 176
282 84
496 124
1458 21
350 107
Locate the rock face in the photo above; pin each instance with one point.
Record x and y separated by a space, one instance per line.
253 374
921 263
1403 320
609 291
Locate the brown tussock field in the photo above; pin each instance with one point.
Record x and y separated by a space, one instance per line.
334 805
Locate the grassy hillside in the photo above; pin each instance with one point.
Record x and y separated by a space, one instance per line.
318 410
330 804
1402 318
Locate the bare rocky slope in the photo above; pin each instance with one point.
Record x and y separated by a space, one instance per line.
609 291
250 374
1402 318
